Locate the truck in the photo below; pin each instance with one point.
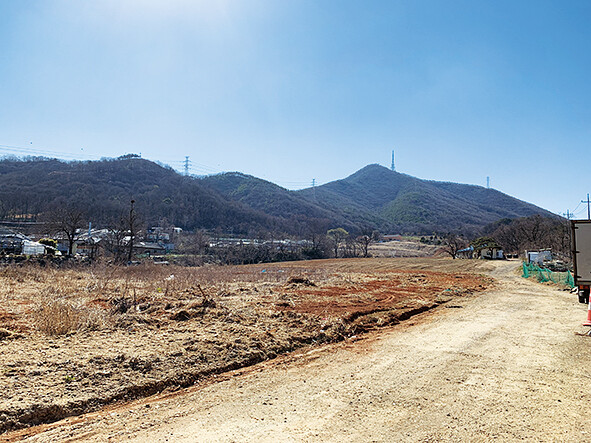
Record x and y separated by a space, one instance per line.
581 249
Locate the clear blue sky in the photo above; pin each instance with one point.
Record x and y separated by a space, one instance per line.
295 90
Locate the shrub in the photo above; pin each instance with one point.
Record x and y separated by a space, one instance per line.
49 242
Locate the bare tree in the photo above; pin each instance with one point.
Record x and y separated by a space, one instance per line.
122 233
337 236
367 237
68 221
115 241
453 243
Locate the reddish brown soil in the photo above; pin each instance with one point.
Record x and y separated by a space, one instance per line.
379 294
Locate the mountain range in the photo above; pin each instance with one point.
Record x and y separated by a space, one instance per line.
371 198
382 199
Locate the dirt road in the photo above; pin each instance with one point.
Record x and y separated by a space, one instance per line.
505 365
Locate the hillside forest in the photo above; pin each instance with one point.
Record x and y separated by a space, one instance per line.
340 218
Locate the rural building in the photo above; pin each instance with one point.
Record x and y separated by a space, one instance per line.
163 236
92 242
63 245
466 253
12 242
539 256
492 253
486 252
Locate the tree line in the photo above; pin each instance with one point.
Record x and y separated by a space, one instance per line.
517 235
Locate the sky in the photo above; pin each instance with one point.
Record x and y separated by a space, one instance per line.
298 90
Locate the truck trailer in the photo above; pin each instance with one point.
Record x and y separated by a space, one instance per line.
581 248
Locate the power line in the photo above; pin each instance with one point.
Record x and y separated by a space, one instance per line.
578 206
578 213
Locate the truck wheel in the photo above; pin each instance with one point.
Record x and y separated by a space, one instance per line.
584 296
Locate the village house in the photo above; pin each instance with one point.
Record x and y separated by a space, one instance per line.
163 236
12 242
492 253
484 252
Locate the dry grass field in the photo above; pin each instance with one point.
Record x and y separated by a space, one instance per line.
405 248
74 340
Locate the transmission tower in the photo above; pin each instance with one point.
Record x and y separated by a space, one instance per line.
187 162
393 167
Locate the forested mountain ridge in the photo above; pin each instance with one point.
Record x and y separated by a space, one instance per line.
103 189
274 200
372 198
410 204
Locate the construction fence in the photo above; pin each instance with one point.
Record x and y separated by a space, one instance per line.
546 275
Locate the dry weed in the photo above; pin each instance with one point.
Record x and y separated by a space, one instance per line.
60 316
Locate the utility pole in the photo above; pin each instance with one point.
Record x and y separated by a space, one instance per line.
131 231
393 167
186 165
567 234
588 207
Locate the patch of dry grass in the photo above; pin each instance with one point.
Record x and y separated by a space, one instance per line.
61 301
60 316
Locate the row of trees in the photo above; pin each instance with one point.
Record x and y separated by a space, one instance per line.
336 242
345 245
517 235
69 222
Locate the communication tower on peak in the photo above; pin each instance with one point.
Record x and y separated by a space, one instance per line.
393 167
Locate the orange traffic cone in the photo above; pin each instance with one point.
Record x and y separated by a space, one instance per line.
588 322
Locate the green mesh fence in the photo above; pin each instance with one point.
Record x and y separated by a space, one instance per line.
544 275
